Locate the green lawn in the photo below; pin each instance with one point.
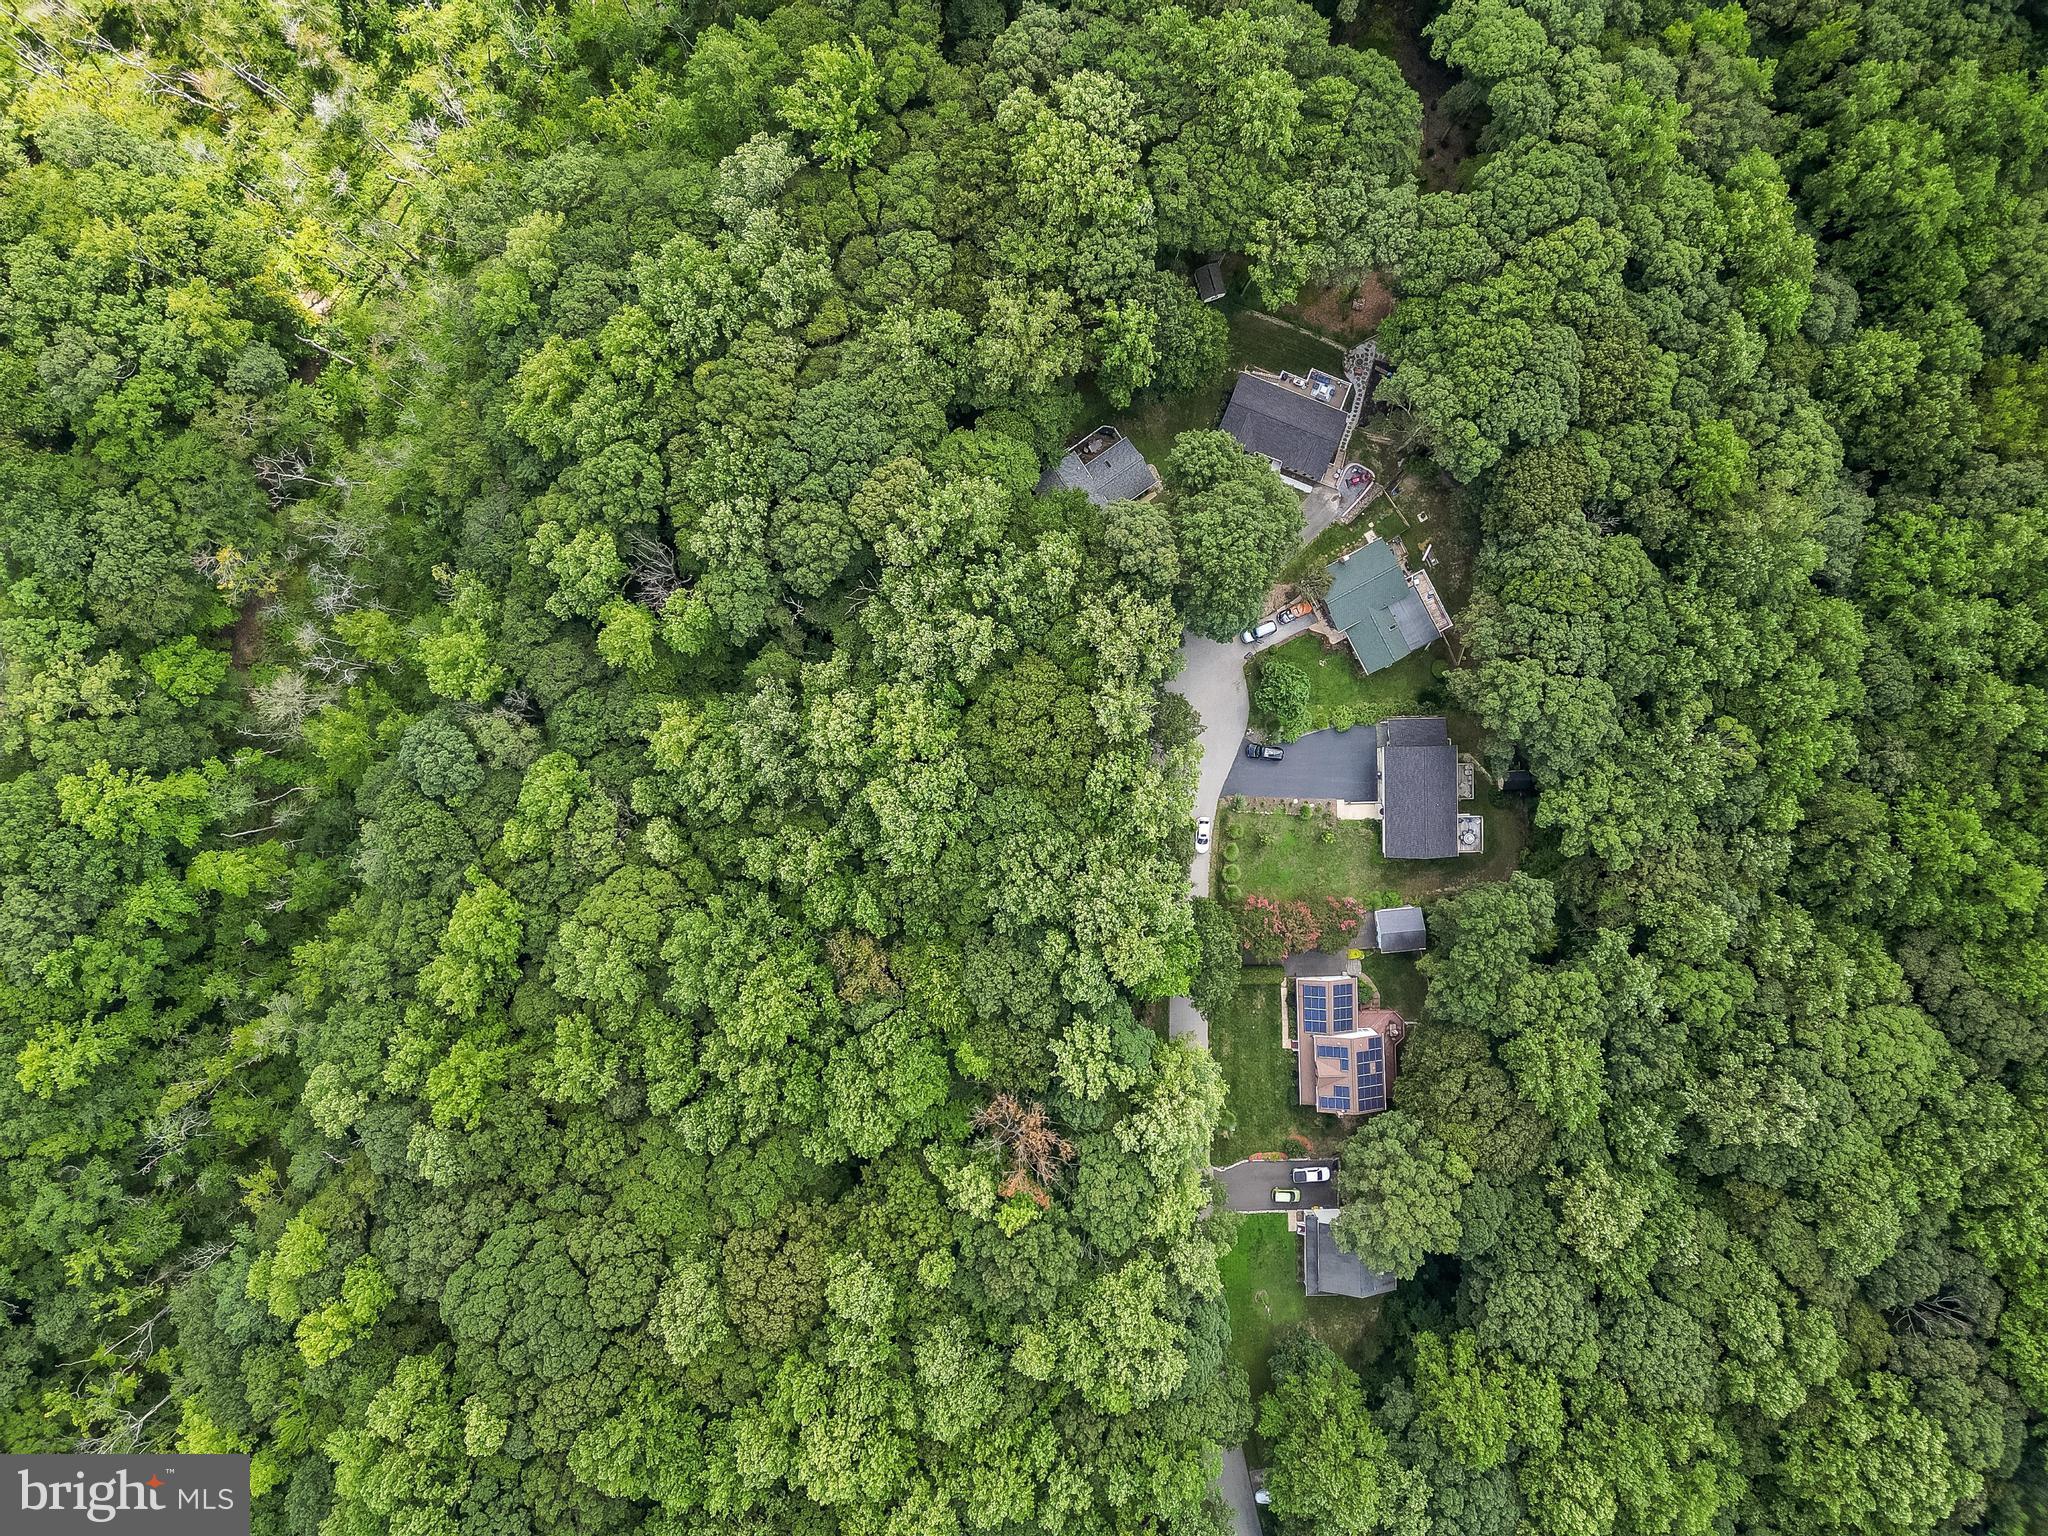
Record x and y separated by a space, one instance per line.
1262 1283
1290 857
1244 1037
1339 693
1400 984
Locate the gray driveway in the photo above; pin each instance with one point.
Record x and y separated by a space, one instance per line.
1323 765
1248 1186
1212 679
1236 1487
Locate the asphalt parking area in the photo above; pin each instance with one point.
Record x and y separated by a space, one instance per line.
1323 765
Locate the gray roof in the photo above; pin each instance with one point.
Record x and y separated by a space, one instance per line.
1414 622
1399 930
1418 789
1118 473
1327 1270
1209 282
1299 434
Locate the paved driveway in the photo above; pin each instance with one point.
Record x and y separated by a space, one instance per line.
1323 765
1236 1487
1212 679
1248 1186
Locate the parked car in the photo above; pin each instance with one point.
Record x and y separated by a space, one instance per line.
1287 1197
1259 751
1309 1175
1295 611
1202 835
1259 631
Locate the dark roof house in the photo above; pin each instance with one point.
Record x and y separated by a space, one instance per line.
1418 789
1288 423
1327 1270
1385 612
1104 466
1209 282
1399 930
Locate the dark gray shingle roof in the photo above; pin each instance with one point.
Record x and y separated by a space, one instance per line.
1418 789
1118 473
1327 1270
1209 282
1399 930
1298 433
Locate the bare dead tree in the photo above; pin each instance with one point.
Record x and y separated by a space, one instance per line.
654 578
1944 1314
169 1134
1026 1133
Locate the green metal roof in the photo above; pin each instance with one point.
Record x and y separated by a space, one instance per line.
1369 596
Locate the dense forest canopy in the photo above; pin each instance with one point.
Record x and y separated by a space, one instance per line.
586 868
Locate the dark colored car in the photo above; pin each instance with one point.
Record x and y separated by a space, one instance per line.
1258 750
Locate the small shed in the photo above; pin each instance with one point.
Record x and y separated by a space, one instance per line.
1209 282
1327 1270
1399 930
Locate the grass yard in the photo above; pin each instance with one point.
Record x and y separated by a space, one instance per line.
1290 857
1339 694
1244 1037
1262 1283
1400 984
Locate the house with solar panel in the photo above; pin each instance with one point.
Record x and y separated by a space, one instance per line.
1344 1050
1385 610
1104 466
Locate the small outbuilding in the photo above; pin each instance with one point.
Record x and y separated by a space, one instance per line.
1327 1270
1399 930
1209 282
1105 466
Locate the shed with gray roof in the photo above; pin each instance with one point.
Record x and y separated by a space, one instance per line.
1104 466
1327 1270
1399 930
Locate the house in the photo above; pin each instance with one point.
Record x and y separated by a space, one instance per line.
1104 466
1344 1053
1297 424
1418 789
1209 282
1399 930
1327 1270
1385 611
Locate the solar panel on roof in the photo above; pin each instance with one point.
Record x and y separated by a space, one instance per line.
1372 1075
1315 1006
1346 996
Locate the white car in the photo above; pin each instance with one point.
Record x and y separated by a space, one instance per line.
1259 631
1309 1175
1202 835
